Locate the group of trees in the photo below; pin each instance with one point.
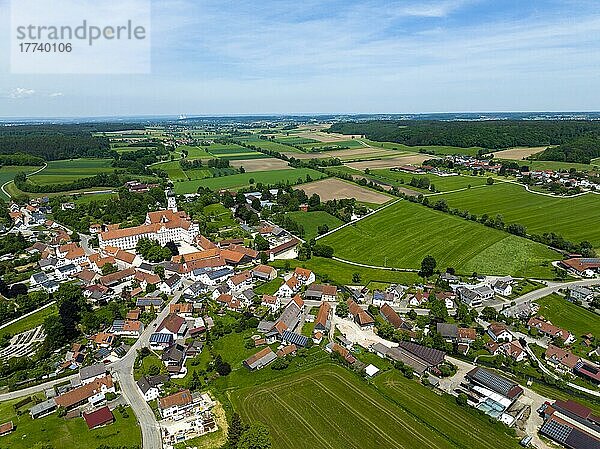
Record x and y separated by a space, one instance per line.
129 210
115 179
152 251
242 436
21 159
54 146
64 328
465 134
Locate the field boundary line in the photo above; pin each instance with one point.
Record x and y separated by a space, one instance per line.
375 267
358 219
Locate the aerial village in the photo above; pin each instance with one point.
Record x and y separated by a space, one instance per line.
170 310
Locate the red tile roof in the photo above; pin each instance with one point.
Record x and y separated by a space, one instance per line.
98 418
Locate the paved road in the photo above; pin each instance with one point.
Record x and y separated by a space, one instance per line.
550 373
551 288
122 370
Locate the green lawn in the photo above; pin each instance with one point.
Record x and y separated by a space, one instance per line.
570 316
8 173
243 179
66 433
310 221
556 165
269 288
272 145
336 145
570 217
329 406
403 234
441 183
439 150
173 169
342 273
195 152
65 171
29 322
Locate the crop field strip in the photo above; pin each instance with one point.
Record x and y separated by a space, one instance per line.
359 422
397 413
270 177
402 234
573 218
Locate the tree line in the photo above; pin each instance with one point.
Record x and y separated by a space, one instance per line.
485 134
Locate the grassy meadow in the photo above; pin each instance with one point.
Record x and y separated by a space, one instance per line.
570 217
58 172
244 180
66 433
570 316
403 234
310 221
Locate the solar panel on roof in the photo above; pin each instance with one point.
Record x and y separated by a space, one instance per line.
493 381
160 338
556 431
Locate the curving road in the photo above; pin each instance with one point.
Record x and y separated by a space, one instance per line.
122 370
552 288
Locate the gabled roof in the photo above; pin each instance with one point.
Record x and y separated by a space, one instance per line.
391 316
98 418
172 323
179 399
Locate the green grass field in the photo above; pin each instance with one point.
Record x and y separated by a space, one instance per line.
295 140
570 316
555 165
243 180
570 217
403 234
441 183
310 221
173 169
65 171
341 273
30 322
331 407
438 150
195 152
342 144
8 173
66 433
271 145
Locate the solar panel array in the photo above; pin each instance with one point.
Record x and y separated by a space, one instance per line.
556 431
493 381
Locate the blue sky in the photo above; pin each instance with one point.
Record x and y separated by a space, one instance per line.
252 57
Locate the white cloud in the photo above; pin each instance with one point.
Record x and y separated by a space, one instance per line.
55 94
20 92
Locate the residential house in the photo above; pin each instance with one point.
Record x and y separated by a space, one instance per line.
272 302
240 281
322 321
550 330
174 359
499 332
172 405
170 284
173 324
261 359
503 288
150 386
88 374
392 317
183 309
320 292
92 393
264 273
360 316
